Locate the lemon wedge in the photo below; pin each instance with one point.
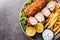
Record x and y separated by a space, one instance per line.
30 31
39 27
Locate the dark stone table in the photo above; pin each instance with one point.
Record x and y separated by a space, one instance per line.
9 20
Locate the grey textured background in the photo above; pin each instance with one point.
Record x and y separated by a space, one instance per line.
9 23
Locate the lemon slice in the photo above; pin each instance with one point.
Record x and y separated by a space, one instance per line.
39 27
30 31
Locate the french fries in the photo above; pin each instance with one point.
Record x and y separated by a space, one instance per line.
57 31
47 23
49 20
57 27
53 17
58 23
53 22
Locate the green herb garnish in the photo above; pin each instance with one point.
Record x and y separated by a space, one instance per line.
29 2
23 20
49 0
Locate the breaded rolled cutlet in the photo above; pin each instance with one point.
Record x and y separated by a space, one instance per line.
35 7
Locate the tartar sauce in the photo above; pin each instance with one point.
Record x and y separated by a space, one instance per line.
47 34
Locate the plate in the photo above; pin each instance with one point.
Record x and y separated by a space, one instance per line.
37 36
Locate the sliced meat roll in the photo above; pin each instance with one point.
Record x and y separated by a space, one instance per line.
46 12
51 5
35 7
31 21
39 16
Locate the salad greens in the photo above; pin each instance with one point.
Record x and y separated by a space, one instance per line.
49 0
23 20
29 2
23 17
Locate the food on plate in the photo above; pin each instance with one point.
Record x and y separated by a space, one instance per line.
52 23
46 11
35 7
30 31
48 22
56 28
49 0
47 34
23 20
23 17
29 2
57 31
53 17
58 23
58 5
51 5
31 21
39 16
39 27
52 20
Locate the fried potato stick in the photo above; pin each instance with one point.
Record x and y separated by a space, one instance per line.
53 17
49 20
57 27
52 23
58 23
57 31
